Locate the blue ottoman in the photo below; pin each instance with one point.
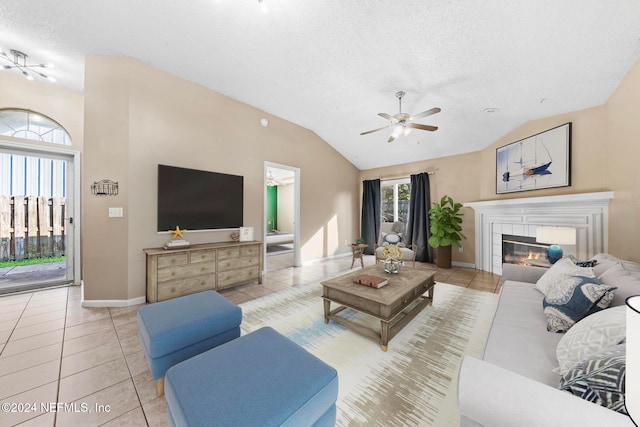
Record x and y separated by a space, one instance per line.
175 330
259 379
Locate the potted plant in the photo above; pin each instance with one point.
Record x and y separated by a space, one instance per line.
445 219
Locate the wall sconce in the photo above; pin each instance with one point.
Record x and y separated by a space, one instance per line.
106 187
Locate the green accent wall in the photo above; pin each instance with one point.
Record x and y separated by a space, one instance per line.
272 207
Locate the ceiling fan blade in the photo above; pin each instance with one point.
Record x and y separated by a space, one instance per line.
422 127
375 130
426 113
388 117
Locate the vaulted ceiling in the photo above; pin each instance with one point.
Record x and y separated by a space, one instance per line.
331 66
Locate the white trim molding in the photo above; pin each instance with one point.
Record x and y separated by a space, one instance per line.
114 302
588 213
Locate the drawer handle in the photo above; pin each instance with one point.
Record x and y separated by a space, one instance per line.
173 290
404 300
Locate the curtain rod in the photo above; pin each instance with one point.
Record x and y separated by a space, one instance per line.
403 177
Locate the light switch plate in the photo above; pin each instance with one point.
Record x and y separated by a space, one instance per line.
116 212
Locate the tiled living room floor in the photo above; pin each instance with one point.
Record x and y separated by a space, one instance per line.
53 350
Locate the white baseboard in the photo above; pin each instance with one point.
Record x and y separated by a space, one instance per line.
114 302
463 264
110 302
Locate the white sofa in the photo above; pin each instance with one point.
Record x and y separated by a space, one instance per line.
514 385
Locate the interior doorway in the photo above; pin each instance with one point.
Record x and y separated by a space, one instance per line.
38 205
281 216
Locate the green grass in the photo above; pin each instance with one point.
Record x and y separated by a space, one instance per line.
31 261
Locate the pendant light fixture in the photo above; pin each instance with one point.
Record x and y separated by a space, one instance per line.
18 61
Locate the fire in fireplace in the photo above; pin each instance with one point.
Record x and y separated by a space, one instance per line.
524 251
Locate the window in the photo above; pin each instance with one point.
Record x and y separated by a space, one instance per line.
394 197
29 125
25 175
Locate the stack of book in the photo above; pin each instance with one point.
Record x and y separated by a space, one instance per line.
369 280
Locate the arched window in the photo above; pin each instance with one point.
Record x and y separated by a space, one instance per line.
29 125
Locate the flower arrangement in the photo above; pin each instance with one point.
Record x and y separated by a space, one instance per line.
392 252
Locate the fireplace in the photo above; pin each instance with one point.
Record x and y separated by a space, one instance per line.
588 213
524 250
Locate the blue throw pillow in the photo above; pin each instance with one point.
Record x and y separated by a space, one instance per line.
391 238
573 299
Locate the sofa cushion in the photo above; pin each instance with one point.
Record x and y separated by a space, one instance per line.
591 335
572 299
518 339
608 260
600 378
626 284
560 271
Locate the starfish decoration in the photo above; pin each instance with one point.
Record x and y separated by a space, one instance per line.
177 233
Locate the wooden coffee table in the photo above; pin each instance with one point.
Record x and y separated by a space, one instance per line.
393 304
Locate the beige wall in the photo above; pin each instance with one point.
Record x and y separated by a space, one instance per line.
62 105
137 117
587 150
605 150
455 176
621 162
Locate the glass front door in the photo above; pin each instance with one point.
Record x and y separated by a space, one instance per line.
37 230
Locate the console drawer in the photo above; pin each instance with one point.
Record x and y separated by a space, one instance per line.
186 271
202 256
173 260
188 286
229 278
236 263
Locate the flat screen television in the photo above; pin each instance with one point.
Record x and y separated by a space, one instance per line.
198 200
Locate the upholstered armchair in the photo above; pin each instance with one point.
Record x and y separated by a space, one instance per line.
392 233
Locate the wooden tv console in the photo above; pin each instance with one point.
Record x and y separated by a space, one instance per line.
175 272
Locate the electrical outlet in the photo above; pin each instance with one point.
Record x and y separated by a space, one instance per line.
460 249
346 242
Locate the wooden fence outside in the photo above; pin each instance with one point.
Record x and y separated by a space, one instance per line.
31 227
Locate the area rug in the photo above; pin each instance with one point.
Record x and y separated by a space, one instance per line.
414 382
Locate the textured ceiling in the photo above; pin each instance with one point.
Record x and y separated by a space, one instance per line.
331 66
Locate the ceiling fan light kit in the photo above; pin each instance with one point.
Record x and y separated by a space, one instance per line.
402 123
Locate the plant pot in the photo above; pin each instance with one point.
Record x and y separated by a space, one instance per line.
443 256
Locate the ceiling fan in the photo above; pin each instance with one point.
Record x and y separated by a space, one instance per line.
402 123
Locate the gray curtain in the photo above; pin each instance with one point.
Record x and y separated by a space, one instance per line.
418 218
370 224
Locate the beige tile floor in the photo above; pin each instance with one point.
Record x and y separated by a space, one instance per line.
64 365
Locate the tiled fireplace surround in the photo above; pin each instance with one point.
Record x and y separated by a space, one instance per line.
588 213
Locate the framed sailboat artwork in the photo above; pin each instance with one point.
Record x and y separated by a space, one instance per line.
539 161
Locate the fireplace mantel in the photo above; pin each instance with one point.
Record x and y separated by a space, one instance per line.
588 213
